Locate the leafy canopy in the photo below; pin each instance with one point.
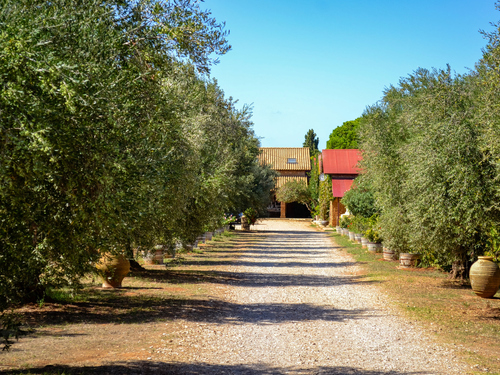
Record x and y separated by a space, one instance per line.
110 139
345 136
294 191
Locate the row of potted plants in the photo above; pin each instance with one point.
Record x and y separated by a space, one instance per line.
484 273
366 232
114 268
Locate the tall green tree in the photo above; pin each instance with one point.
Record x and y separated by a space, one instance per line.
487 99
312 141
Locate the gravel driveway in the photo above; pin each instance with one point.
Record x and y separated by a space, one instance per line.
297 305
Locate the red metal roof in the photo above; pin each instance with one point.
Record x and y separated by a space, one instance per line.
339 187
341 161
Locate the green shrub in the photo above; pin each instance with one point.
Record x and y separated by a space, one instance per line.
345 221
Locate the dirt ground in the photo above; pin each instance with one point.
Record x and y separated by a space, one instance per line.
116 331
282 299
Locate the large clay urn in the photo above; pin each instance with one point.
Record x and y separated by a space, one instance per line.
485 277
113 269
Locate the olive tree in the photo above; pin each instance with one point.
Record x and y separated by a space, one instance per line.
432 181
295 191
92 140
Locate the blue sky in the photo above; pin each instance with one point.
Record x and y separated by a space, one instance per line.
315 64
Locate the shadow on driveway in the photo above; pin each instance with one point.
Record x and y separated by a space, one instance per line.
162 368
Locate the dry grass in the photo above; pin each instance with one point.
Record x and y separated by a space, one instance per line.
447 308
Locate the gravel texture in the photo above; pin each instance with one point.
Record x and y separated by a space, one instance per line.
298 306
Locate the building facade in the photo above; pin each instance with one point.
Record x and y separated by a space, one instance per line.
291 163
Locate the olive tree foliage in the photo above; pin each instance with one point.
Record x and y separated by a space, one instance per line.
294 191
433 181
382 137
227 176
487 99
110 139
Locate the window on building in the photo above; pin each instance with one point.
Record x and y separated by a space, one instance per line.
292 161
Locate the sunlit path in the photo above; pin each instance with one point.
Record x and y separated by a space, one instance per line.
298 305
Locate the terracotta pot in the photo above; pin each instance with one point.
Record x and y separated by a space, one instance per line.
170 253
389 254
154 257
190 246
201 239
485 277
159 253
364 242
407 260
374 247
245 224
113 269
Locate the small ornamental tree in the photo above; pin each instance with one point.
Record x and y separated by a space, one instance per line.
295 191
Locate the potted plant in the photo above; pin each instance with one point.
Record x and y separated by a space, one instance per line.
345 221
389 254
249 218
409 260
359 225
374 240
228 221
